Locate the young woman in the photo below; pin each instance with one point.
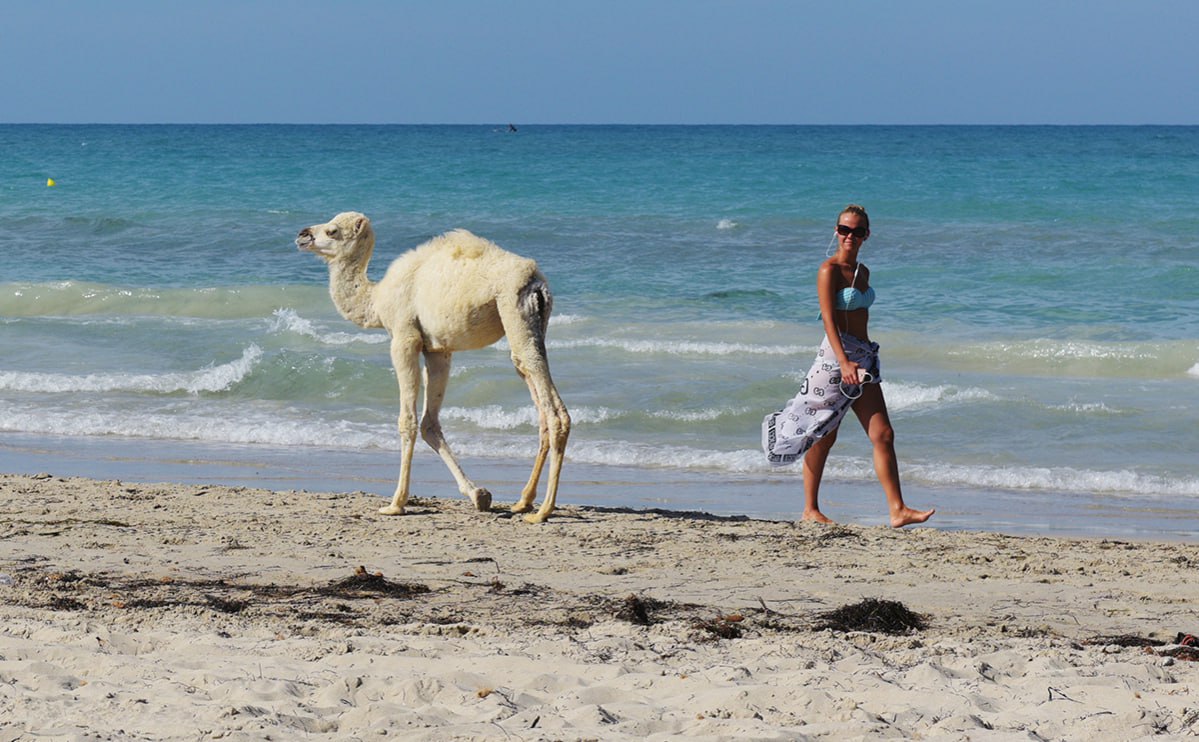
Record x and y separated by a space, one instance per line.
845 375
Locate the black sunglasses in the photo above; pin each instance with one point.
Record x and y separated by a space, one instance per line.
845 230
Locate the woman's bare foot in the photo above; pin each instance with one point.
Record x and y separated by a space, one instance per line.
907 517
815 516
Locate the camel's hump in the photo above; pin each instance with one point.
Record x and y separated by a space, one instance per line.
464 245
464 255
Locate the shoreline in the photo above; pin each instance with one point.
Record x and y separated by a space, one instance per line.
163 610
772 496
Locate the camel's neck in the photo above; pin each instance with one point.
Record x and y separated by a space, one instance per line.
353 294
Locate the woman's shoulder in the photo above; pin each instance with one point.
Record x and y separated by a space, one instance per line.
829 266
829 273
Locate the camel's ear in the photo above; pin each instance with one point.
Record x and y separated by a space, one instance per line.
361 225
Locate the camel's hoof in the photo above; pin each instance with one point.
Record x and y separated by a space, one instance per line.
391 510
521 507
482 499
536 518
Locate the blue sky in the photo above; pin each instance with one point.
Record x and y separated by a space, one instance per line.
600 61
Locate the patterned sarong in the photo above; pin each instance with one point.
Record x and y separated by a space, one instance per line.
821 403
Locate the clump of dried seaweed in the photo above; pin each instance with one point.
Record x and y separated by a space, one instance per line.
1124 640
721 627
376 584
1184 647
640 611
872 615
1190 654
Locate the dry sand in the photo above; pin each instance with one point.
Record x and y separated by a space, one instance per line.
166 611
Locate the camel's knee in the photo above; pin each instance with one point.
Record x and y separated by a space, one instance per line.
430 432
407 427
559 428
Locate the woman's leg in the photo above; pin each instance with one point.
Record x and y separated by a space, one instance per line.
813 471
871 410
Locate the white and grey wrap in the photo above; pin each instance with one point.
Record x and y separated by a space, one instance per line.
821 403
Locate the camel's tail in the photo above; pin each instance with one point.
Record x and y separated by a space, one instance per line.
537 301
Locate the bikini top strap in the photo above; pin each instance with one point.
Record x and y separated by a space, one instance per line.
853 284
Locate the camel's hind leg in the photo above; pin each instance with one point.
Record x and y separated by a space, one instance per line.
553 434
525 323
437 376
529 493
405 356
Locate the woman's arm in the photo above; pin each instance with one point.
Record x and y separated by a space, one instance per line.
826 290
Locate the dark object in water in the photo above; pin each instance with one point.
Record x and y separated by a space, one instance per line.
874 615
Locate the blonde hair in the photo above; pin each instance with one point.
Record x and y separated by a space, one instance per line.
859 210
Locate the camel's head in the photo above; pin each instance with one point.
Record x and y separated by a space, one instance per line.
348 236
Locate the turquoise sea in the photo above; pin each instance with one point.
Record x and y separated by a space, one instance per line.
1038 311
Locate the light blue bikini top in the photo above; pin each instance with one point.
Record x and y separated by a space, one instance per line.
850 298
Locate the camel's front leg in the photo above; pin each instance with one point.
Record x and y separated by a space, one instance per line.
437 376
405 356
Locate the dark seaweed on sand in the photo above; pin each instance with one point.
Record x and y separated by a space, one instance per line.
719 628
363 582
872 615
1183 650
635 609
1124 640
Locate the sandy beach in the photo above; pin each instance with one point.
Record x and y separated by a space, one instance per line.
179 611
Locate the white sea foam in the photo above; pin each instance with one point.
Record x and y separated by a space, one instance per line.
289 321
1057 351
1086 408
680 347
906 396
622 453
257 426
903 396
699 416
1056 479
494 417
1193 371
209 379
750 461
726 224
1087 351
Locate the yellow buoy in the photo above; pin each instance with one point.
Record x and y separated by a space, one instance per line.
50 182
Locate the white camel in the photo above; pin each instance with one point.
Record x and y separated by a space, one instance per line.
455 292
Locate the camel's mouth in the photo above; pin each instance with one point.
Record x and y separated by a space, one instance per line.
305 241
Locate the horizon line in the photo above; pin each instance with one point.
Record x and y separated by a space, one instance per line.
538 123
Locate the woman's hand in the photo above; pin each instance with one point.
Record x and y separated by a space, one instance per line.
849 373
